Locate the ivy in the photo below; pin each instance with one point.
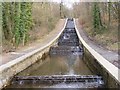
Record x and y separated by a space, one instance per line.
96 18
17 21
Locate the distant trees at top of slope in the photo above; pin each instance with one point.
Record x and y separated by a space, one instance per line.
101 21
100 15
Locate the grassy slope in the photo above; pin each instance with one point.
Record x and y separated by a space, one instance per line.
107 39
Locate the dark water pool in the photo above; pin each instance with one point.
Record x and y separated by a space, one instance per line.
58 65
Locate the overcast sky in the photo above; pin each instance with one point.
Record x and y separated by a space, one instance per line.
68 3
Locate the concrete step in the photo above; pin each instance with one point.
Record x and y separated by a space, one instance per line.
66 50
69 30
68 43
54 79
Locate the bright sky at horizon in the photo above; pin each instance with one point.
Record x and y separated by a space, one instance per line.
68 3
71 1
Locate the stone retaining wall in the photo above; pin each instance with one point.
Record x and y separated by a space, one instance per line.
98 69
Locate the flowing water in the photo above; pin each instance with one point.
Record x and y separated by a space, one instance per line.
65 58
57 65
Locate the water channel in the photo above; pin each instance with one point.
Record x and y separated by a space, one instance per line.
65 58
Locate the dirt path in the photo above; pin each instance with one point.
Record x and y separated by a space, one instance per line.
113 57
6 57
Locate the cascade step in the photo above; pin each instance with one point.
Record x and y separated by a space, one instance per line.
65 50
68 40
68 44
69 30
70 34
58 79
70 24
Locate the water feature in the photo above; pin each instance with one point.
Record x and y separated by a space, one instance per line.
62 68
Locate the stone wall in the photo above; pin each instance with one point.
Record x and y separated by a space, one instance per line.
8 73
98 69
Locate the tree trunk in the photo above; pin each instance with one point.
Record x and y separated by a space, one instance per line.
119 27
109 17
